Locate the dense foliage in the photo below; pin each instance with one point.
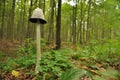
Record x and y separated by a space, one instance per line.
87 33
97 61
81 20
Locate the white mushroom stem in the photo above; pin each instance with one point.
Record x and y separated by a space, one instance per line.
38 36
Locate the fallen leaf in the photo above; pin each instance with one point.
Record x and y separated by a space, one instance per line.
15 73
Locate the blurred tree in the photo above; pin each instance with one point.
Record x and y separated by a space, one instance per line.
3 18
58 25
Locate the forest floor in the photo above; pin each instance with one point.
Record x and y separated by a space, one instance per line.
102 70
7 46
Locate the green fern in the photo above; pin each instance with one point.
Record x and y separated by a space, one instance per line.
109 73
98 78
73 74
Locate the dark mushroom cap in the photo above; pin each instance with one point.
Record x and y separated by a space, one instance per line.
35 20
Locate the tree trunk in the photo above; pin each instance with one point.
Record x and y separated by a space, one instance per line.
10 29
23 29
74 22
3 17
81 23
42 6
88 23
58 26
29 26
51 22
95 24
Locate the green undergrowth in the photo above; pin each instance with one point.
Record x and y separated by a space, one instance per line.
106 50
97 61
52 65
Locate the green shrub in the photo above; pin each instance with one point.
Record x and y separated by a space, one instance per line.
30 46
53 64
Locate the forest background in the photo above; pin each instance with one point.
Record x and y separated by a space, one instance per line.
87 32
82 21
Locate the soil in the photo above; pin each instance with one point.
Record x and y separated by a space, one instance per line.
7 46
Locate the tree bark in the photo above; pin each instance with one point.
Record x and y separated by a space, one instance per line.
3 17
10 27
58 26
51 22
74 22
29 26
81 23
88 23
42 6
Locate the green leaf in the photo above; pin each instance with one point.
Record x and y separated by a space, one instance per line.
73 74
98 78
109 73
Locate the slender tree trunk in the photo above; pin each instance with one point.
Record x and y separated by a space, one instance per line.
88 22
12 18
42 6
40 3
103 27
29 26
3 17
19 26
10 32
84 32
0 16
51 22
58 26
74 22
95 25
23 27
110 34
81 23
